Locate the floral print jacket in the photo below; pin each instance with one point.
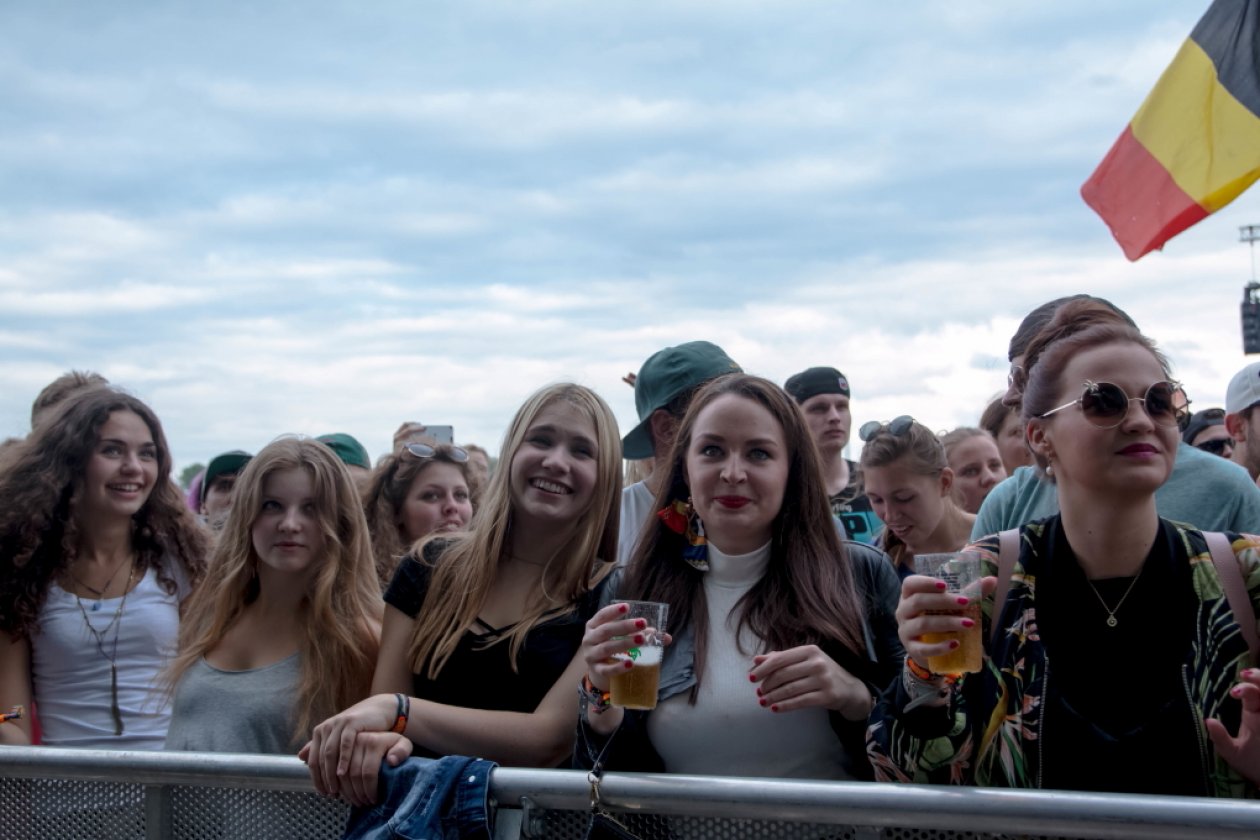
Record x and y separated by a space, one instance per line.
989 732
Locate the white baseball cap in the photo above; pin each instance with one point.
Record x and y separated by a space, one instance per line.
1244 389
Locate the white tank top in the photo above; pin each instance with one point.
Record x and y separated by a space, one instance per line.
71 678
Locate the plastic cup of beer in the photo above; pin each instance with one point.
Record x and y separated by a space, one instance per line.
961 573
635 688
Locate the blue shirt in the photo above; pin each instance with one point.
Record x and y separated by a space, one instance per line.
1204 491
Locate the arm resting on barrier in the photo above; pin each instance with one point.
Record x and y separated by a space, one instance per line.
542 738
15 688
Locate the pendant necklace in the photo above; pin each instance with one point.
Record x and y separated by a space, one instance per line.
100 593
1111 612
115 624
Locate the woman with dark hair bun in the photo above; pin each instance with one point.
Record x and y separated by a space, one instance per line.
782 633
97 552
1150 657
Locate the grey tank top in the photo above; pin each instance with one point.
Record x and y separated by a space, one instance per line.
235 711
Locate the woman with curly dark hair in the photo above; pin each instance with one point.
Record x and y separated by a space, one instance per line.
97 551
423 488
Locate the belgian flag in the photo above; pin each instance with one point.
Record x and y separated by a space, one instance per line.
1194 145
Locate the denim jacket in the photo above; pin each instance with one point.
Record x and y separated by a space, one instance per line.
446 799
879 589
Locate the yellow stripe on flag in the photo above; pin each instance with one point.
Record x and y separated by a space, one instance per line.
1207 140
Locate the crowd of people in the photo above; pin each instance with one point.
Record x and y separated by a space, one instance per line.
306 600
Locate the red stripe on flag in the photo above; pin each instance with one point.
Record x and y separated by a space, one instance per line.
1138 199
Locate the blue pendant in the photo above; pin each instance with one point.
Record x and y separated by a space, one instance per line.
96 606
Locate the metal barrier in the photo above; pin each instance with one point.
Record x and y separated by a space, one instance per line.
46 793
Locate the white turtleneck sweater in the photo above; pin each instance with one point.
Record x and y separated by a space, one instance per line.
727 732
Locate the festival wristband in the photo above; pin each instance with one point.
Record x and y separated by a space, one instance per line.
921 672
597 702
404 711
16 713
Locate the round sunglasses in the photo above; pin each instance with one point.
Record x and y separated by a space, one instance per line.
897 427
1105 405
424 451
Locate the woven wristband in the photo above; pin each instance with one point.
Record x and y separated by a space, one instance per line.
597 702
404 711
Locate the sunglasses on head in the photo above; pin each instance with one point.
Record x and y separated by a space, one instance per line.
1105 405
1216 446
897 427
423 451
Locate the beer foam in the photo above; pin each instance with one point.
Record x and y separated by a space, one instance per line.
647 655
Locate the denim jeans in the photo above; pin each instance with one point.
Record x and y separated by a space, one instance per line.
446 799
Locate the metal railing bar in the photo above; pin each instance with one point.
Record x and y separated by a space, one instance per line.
1065 814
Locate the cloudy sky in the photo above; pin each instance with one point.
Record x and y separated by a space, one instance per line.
335 216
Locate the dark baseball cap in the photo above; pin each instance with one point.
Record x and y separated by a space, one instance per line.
815 381
229 463
350 451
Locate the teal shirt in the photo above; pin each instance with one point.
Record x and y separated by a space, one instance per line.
1204 491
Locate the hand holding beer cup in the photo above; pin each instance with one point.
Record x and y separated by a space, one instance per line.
938 617
624 645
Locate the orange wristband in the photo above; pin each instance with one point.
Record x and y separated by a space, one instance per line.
404 711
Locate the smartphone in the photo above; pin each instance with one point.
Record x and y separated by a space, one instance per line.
442 434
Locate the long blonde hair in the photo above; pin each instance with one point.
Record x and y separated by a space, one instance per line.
462 578
343 608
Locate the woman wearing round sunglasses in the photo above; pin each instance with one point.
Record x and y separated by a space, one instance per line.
1147 654
419 490
910 485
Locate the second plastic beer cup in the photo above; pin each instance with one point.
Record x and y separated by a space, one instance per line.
635 688
961 573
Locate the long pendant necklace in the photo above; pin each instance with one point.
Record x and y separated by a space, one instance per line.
115 624
1111 612
100 593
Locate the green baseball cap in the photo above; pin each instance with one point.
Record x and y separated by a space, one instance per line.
350 451
229 463
666 374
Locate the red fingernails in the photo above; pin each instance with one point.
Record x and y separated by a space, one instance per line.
758 691
753 677
1246 672
963 601
638 638
762 702
941 586
640 623
623 608
1236 691
967 622
953 644
774 708
630 663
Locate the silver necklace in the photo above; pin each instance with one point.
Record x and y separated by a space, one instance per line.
1111 612
100 593
115 624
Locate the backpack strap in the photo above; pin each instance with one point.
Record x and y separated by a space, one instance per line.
1008 553
1235 589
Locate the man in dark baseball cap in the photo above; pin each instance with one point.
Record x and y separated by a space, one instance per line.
218 486
823 395
663 389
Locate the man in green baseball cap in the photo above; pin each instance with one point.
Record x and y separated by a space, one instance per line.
663 389
353 454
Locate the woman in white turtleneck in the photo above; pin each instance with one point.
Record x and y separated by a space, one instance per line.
782 632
